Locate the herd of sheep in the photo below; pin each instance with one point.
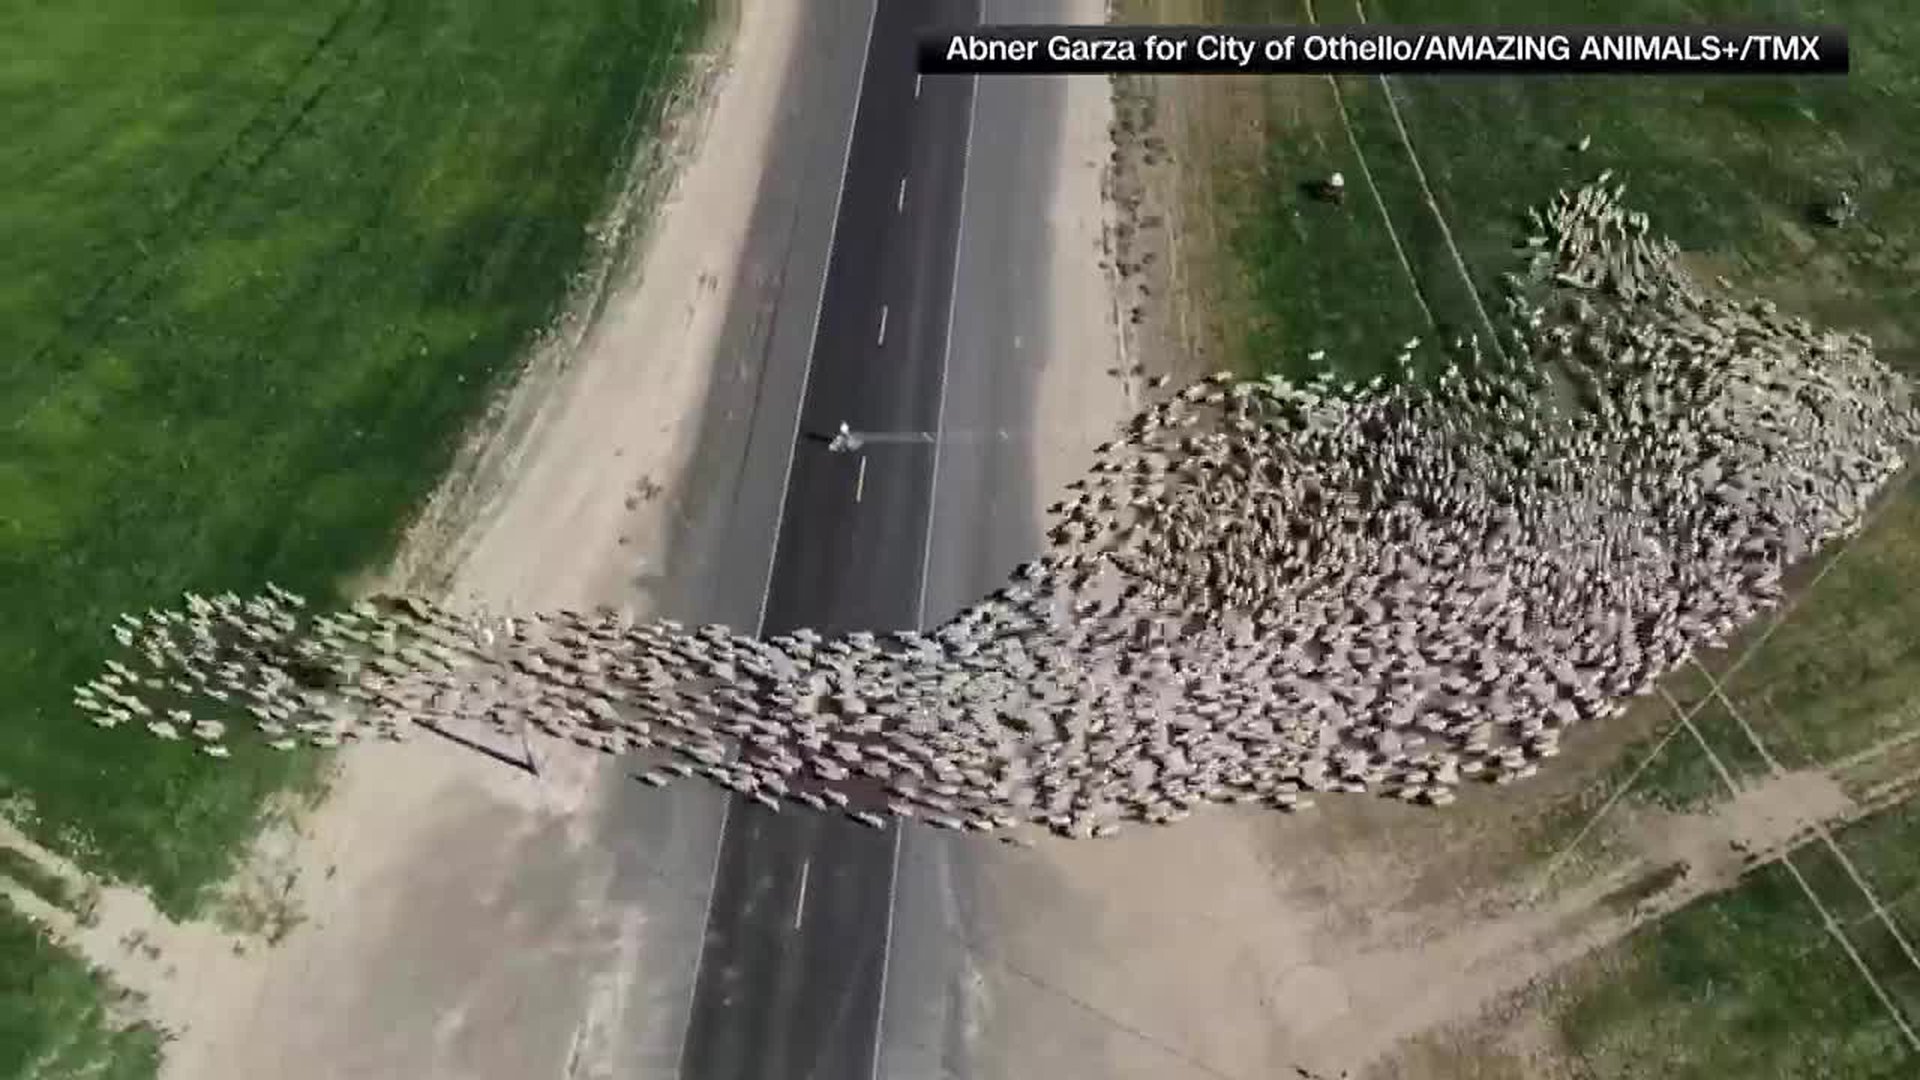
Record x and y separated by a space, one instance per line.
1262 591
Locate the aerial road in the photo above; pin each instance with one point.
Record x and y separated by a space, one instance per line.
831 950
791 979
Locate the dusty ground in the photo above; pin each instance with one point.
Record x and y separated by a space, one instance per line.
1080 401
435 898
1247 943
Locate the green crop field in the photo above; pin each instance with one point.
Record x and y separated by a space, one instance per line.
1728 166
1753 981
1748 982
263 265
55 1020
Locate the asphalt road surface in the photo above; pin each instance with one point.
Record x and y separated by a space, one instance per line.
792 975
984 523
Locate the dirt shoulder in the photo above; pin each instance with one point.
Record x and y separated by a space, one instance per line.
1244 943
1247 943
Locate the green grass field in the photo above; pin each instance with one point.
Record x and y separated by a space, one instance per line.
54 1018
265 268
1743 984
1750 982
262 268
1747 983
1727 166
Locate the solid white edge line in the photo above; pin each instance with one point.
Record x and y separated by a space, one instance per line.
813 337
926 553
706 920
779 517
886 949
946 357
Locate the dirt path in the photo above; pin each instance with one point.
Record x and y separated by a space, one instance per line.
1080 402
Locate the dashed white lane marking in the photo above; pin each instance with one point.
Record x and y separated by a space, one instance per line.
900 200
860 484
800 901
882 338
